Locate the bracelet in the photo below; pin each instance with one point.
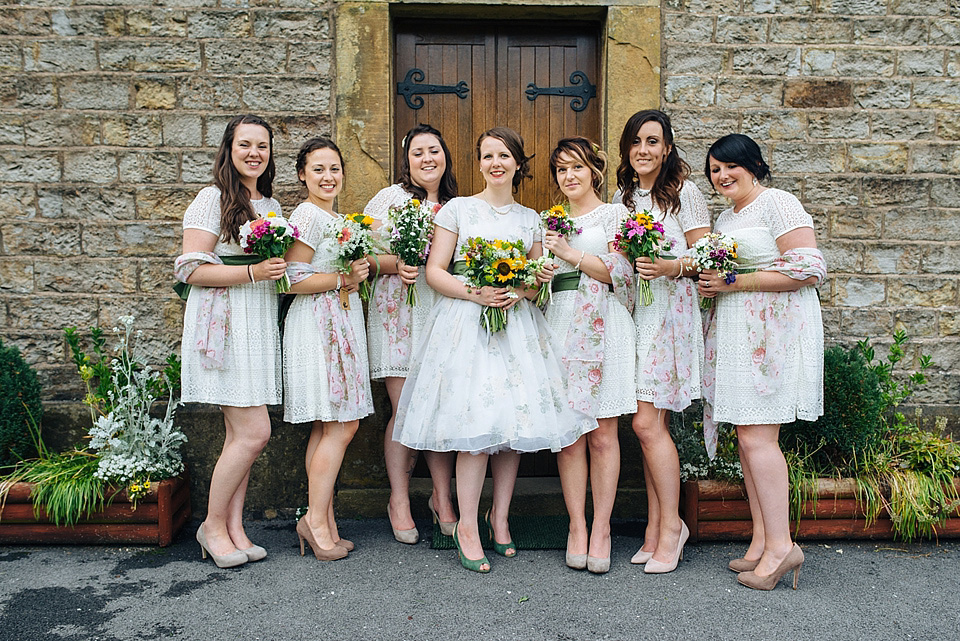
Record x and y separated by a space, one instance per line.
577 266
250 273
340 282
680 268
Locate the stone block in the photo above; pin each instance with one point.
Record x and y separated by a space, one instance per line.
16 275
953 64
166 203
859 292
712 6
215 126
782 7
794 157
126 130
62 129
889 31
895 190
878 158
936 94
856 63
286 25
60 384
289 132
774 125
157 22
34 92
11 58
86 276
856 224
219 24
40 239
749 92
226 56
943 387
18 201
311 57
155 276
92 92
917 323
682 58
689 91
804 30
808 94
683 27
149 167
137 240
88 22
941 259
882 94
182 130
24 22
854 7
902 125
941 158
741 29
155 94
135 55
29 166
944 32
921 224
97 166
922 7
206 92
921 62
945 192
892 258
38 312
154 314
287 94
831 190
86 203
949 323
286 163
948 125
59 55
839 124
866 322
690 124
768 61
197 166
843 256
11 129
923 291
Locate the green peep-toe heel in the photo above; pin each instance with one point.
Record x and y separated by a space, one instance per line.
474 565
499 548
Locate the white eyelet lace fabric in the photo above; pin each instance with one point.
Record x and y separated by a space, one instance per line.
251 374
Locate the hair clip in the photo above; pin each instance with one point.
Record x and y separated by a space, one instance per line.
403 143
596 147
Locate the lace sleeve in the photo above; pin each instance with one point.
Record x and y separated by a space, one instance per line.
204 212
384 200
694 212
618 197
615 215
307 225
784 213
448 217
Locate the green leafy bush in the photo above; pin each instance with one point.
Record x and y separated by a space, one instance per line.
19 404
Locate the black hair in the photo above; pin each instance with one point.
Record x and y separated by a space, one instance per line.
740 150
312 145
448 182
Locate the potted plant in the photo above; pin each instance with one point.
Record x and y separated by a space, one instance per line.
128 484
863 470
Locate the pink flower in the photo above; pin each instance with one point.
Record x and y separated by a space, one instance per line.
595 376
391 306
758 355
598 325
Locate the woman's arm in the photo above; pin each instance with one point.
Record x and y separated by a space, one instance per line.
441 252
199 240
300 252
670 267
589 264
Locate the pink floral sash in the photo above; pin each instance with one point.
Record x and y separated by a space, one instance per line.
774 321
671 356
583 348
213 315
346 374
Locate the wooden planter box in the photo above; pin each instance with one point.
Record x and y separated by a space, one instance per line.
157 519
718 511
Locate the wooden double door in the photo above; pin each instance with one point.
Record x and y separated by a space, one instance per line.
464 77
497 67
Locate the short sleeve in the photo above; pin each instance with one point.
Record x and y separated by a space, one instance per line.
784 212
449 216
694 212
308 224
612 219
204 212
386 198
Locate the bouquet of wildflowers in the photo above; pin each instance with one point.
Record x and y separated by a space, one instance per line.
269 237
557 219
498 263
719 252
410 230
355 240
640 235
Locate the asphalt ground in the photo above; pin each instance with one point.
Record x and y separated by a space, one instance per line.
848 590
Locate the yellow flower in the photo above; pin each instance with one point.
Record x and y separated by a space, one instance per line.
504 270
558 210
146 485
367 220
271 214
498 244
416 202
134 488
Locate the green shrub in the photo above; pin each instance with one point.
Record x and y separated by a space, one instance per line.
19 404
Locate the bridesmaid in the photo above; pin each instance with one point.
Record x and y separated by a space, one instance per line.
394 329
325 371
477 392
653 177
230 344
589 311
764 364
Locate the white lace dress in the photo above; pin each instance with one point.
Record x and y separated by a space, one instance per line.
470 391
309 394
616 391
394 329
250 375
796 391
670 348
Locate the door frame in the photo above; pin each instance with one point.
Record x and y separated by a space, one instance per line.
363 49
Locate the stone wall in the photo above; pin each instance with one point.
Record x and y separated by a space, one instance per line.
857 106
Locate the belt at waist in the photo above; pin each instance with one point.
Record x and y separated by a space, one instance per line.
183 289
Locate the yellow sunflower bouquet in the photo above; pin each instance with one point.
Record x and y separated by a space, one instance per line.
498 263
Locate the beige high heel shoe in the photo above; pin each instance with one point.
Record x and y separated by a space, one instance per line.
742 565
793 561
575 561
255 553
446 527
231 560
641 557
662 567
304 533
410 537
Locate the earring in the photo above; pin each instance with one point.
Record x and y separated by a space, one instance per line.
754 182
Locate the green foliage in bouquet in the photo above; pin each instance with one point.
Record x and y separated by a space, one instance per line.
19 405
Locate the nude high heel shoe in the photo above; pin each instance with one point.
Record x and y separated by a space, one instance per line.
793 561
446 527
641 557
304 533
662 567
255 553
231 560
575 561
742 565
410 537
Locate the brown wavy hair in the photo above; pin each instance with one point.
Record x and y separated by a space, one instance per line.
235 207
585 151
514 144
673 171
448 182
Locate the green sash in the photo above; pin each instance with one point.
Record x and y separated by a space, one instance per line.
569 281
183 289
458 268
